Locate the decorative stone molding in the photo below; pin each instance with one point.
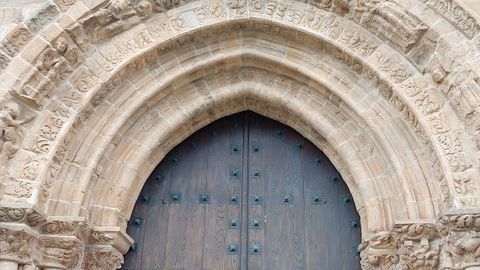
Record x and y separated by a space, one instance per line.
399 90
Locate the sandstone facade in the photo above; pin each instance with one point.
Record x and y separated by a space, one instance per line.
94 93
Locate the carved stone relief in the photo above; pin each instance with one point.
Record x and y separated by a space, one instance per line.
17 245
451 243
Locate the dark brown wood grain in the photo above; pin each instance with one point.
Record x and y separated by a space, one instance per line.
270 159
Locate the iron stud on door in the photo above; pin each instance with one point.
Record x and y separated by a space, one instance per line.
286 198
234 199
204 199
255 224
235 174
233 249
318 200
175 197
234 223
256 198
255 249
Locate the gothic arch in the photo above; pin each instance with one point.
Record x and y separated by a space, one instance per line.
91 102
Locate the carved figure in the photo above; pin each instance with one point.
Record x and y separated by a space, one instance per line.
464 90
164 5
467 247
111 12
53 65
390 18
419 256
15 245
115 17
10 129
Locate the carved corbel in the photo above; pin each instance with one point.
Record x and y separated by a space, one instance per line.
62 252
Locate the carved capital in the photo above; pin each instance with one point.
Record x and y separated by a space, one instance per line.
373 259
461 240
63 252
102 257
417 246
17 243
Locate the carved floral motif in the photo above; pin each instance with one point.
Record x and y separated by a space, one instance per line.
456 15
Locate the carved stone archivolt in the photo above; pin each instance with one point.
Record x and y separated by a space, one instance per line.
94 92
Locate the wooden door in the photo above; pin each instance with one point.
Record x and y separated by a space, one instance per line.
245 192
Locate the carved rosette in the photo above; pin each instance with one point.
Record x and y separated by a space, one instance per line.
103 257
63 252
16 244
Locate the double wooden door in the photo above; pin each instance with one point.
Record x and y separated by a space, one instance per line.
245 192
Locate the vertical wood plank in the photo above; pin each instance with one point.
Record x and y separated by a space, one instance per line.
349 224
256 186
155 196
320 220
184 249
136 229
225 153
284 179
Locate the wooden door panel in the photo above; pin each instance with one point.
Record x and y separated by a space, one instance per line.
280 165
257 188
321 220
224 155
305 216
155 196
184 247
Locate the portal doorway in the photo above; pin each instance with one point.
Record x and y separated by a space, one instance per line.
245 192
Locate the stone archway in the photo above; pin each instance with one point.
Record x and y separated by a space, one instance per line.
95 93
